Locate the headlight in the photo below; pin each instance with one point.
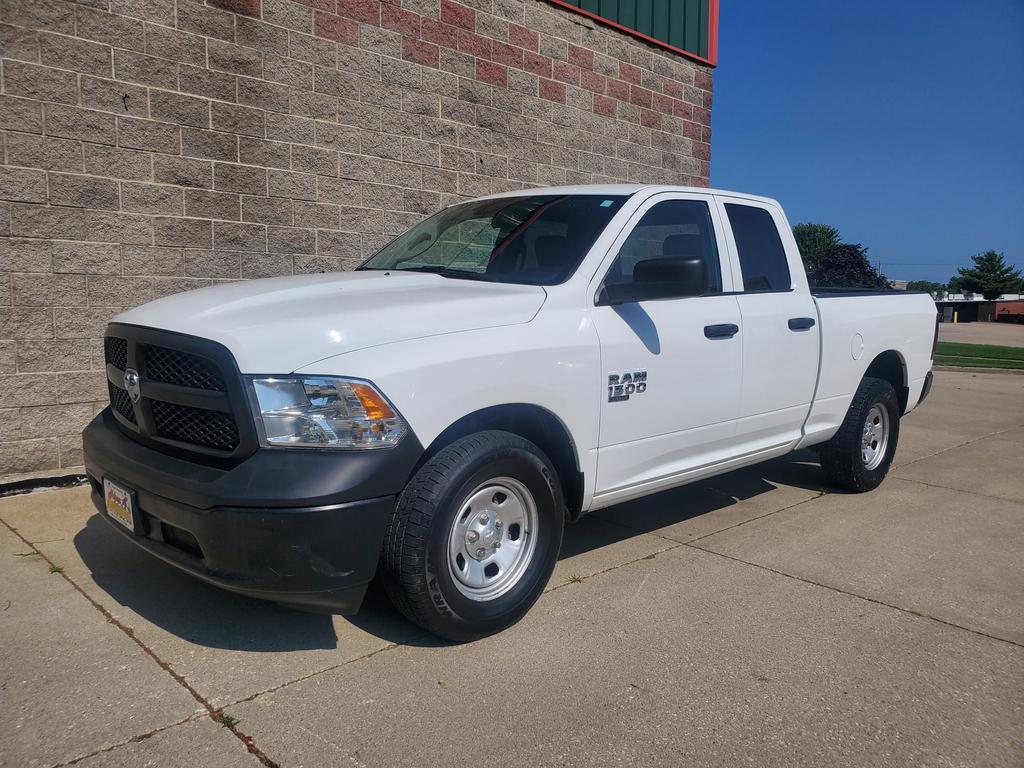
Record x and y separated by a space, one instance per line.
325 412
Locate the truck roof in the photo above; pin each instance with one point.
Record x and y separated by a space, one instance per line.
625 189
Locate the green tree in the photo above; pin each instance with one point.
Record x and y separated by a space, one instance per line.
847 266
990 276
816 242
938 290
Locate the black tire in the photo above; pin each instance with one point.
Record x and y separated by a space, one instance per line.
414 565
841 457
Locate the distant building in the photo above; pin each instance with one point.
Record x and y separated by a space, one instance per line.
973 307
968 296
899 285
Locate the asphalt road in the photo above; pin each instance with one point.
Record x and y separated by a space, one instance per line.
753 619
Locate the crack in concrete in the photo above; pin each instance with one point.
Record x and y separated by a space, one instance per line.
610 568
842 591
958 445
133 740
958 490
211 711
718 530
339 665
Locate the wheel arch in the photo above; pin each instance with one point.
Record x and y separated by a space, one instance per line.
534 423
892 367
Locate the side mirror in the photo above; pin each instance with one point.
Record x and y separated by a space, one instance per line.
661 278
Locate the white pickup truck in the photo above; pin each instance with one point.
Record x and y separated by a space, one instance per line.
436 416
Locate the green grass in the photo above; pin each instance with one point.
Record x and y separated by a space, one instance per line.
955 349
979 362
979 355
56 568
225 719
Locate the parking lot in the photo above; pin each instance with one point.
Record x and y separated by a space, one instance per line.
1004 334
752 619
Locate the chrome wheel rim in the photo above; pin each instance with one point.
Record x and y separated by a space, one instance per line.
875 436
492 539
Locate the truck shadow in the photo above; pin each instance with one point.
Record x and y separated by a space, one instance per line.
205 615
189 608
711 505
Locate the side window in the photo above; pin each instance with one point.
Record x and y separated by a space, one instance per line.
670 253
762 256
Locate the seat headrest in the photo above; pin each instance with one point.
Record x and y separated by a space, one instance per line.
682 245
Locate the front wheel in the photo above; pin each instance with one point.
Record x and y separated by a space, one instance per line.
858 456
474 536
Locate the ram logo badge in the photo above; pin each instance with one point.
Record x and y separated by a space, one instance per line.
621 386
131 384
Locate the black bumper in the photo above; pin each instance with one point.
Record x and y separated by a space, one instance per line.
290 525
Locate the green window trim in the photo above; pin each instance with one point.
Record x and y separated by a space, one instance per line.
688 27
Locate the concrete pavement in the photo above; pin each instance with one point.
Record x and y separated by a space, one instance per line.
1004 334
753 618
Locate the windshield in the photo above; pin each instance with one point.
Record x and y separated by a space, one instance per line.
532 240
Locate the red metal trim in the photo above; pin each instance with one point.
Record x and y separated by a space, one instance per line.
713 33
712 57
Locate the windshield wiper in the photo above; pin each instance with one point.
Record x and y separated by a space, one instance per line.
458 274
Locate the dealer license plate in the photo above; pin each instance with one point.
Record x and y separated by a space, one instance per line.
119 504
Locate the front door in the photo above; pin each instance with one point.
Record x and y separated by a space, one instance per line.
671 367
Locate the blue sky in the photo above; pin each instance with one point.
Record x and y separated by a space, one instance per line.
901 123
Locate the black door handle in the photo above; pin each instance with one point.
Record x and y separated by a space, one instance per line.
722 331
800 323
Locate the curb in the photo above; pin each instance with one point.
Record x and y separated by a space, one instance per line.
965 369
28 485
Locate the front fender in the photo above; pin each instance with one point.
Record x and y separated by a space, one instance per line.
436 381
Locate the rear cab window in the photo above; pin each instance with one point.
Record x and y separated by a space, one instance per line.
759 247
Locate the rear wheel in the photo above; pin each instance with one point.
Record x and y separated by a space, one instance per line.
474 536
858 456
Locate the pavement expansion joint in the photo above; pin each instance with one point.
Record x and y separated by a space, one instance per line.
657 535
609 569
212 711
331 668
133 740
842 591
957 490
759 517
958 445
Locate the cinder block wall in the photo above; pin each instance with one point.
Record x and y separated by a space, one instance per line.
155 146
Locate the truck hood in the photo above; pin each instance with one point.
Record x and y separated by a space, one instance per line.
281 324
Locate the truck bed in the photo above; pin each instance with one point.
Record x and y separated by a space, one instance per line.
828 292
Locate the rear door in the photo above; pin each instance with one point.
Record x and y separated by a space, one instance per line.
781 339
671 367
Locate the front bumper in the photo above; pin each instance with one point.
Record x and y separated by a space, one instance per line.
291 525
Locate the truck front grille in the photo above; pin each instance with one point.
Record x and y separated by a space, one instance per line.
116 351
121 402
195 425
173 366
191 395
